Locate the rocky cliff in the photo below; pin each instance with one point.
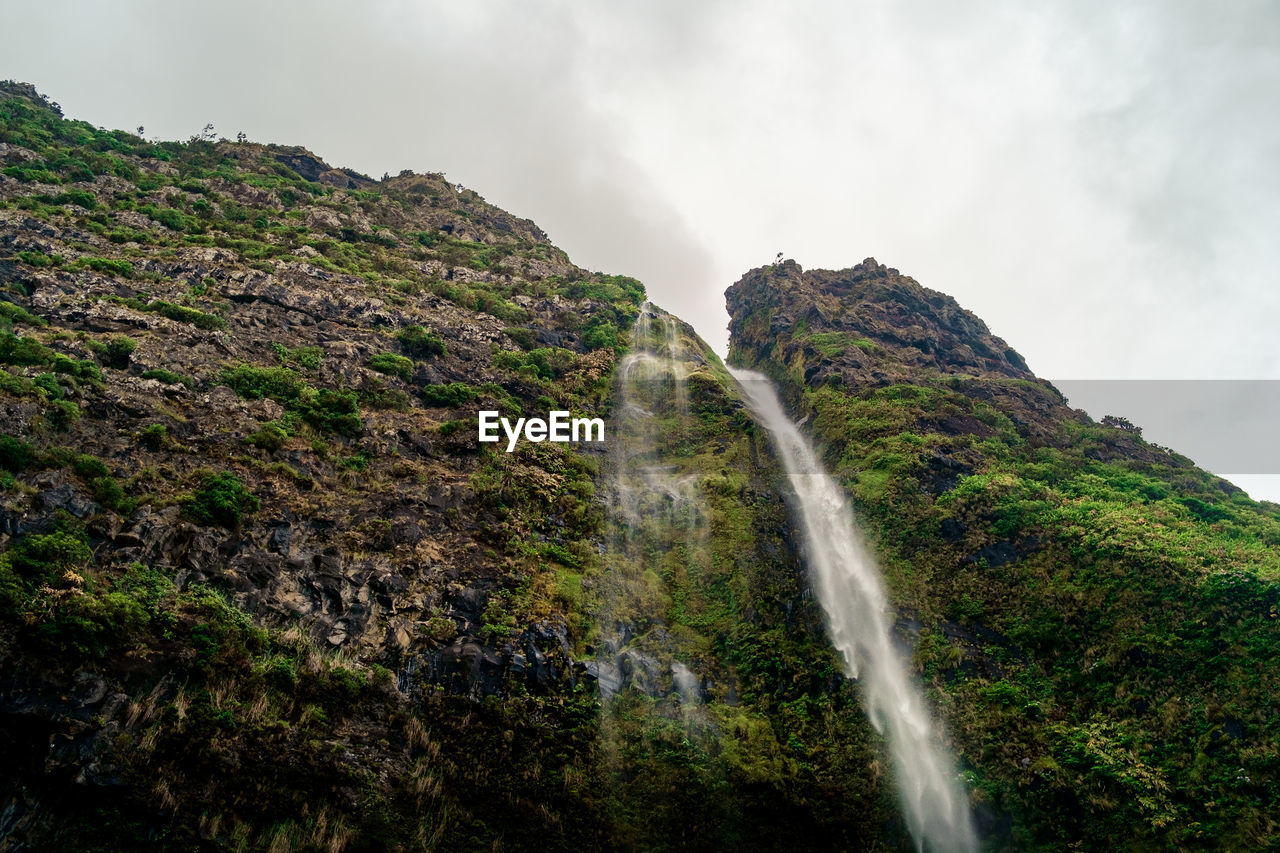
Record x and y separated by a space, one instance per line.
1094 616
262 588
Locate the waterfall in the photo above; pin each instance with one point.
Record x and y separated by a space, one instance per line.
849 587
657 509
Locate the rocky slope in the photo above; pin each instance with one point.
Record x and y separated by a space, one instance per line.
1096 617
262 588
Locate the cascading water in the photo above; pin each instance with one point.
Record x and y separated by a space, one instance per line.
656 508
849 587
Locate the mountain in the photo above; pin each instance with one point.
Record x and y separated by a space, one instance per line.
263 587
1095 617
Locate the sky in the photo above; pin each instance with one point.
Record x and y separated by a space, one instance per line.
1099 182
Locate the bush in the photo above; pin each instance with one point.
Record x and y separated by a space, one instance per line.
180 313
83 198
335 411
116 352
544 362
168 377
453 394
42 557
526 338
392 365
601 333
111 266
271 436
256 383
421 342
17 314
38 259
108 492
15 454
222 500
62 414
305 357
48 383
90 466
173 219
154 436
183 314
23 351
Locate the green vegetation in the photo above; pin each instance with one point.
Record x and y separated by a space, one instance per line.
221 499
180 313
420 342
28 351
450 396
305 357
111 266
168 377
115 352
324 409
393 365
1099 679
543 363
11 313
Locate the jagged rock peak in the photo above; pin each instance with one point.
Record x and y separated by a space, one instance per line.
870 317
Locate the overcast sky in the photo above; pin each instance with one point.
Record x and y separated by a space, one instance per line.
1100 182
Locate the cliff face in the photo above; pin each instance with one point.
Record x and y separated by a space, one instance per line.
258 574
1094 616
262 588
873 324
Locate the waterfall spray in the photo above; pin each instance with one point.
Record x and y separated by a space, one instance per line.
655 505
849 587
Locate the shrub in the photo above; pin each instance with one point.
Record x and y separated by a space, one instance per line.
48 383
108 492
271 436
41 557
392 365
335 411
305 357
526 338
62 414
145 584
83 198
183 314
17 314
256 383
420 342
601 333
90 466
154 436
16 455
222 499
168 377
173 219
111 266
23 351
453 394
38 259
116 352
544 362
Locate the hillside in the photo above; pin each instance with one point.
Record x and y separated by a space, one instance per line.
1095 617
262 587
